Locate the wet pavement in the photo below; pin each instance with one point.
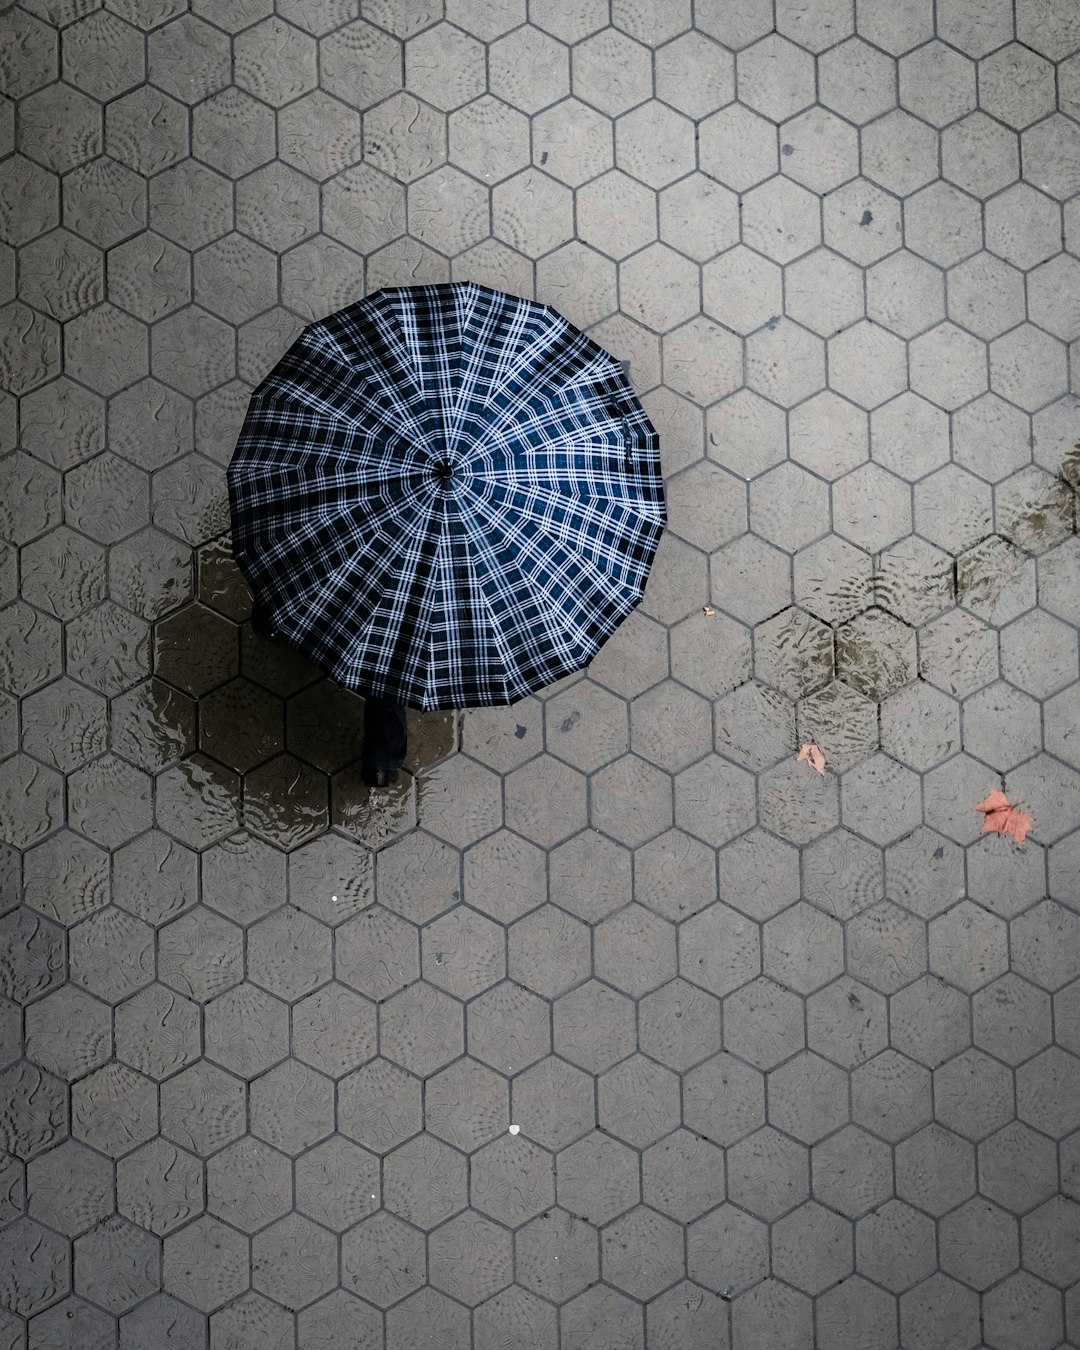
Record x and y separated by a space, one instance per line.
613 1026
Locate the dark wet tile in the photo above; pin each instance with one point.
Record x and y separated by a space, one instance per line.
326 726
241 725
195 649
286 801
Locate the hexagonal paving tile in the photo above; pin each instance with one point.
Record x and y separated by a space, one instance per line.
67 1188
157 1031
742 290
702 361
802 949
159 1187
763 1023
828 313
593 1027
920 726
64 724
833 579
750 579
972 1095
1011 1019
471 1258
592 923
875 653
861 221
846 1022
737 147
36 1266
784 362
534 213
1016 1167
116 1265
781 220
830 1259
768 1174
205 1263
947 791
66 877
713 801
424 1181
867 366
1055 643
871 508
545 800
586 726
698 216
670 726
788 507
727 1229
29 348
958 653
794 653
659 287
528 69
840 720
905 294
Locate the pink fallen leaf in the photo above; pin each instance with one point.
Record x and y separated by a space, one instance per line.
1001 817
997 801
810 754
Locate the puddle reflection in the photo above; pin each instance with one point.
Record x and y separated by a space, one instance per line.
287 739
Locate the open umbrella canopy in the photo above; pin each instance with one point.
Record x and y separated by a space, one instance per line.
446 496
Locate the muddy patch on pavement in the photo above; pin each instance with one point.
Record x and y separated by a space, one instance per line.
875 654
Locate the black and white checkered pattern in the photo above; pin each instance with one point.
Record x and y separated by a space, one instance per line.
446 495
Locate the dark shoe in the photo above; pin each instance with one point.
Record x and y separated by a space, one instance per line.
386 736
378 777
260 621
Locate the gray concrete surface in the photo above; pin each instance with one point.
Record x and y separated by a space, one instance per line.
613 1026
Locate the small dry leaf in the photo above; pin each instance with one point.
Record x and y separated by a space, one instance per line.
1000 817
708 611
812 756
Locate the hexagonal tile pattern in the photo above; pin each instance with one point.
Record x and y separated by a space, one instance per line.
619 965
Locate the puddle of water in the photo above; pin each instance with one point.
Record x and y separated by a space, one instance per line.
373 815
433 737
1069 473
838 719
286 800
877 656
195 649
801 655
915 588
326 726
153 725
848 597
221 583
995 580
1042 520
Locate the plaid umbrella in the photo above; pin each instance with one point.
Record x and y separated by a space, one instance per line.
446 495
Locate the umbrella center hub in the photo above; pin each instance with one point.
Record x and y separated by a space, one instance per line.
444 470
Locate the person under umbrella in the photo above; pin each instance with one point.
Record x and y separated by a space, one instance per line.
445 497
386 730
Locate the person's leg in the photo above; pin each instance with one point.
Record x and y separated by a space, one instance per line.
261 622
386 740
